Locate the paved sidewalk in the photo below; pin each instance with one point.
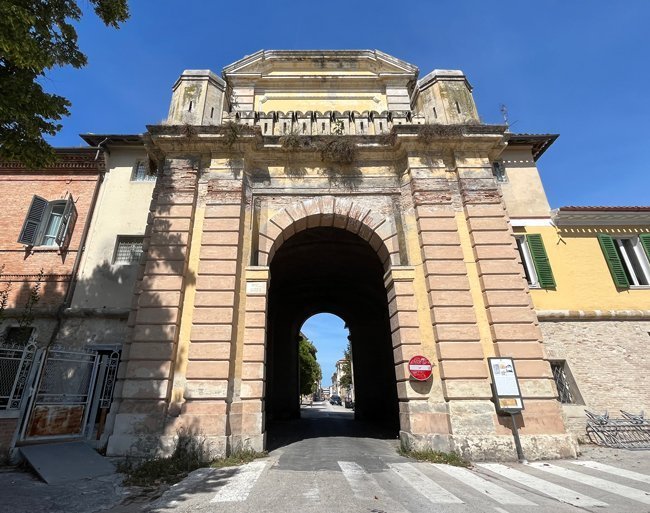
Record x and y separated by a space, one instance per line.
23 492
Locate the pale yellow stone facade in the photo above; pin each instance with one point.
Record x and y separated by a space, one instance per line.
257 222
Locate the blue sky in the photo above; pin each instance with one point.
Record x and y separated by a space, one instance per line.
577 68
330 337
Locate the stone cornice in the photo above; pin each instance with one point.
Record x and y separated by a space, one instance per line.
593 315
562 218
69 160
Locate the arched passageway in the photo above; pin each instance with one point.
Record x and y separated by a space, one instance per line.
330 270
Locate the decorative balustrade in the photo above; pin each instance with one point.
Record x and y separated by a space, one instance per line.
325 123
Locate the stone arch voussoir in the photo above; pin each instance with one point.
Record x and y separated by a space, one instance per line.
330 211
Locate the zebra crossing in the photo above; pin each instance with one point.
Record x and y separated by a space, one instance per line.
499 485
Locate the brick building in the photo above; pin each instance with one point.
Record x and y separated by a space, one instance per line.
46 214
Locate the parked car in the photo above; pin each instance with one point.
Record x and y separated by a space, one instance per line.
335 399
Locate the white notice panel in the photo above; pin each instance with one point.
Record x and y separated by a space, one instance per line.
503 372
505 384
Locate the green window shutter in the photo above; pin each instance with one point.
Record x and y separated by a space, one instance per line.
613 261
542 265
29 233
645 242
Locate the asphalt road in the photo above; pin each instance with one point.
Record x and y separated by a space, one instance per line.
327 462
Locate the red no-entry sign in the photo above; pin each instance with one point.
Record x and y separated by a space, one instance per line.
420 368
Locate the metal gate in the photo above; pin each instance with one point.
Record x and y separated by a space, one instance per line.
16 373
60 406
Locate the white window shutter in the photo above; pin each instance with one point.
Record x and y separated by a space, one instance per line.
32 224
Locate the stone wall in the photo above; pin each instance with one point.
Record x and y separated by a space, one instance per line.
609 362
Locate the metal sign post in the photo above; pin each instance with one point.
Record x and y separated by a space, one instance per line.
507 395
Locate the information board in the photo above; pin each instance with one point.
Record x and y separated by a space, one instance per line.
505 385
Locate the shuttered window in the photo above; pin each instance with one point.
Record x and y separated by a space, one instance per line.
613 261
537 267
627 259
542 264
644 238
49 223
32 225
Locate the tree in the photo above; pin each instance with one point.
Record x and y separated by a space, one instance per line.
346 379
36 36
310 371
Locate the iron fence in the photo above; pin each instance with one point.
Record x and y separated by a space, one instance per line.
627 432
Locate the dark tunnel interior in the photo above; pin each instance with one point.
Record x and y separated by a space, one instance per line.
330 270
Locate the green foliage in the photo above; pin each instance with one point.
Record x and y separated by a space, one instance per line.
4 295
310 371
36 36
448 458
26 317
346 380
190 453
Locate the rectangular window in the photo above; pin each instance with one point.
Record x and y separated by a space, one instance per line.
498 172
49 223
527 262
567 389
128 249
635 262
142 172
17 336
627 259
537 267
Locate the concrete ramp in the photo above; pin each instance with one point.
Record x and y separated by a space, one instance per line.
70 461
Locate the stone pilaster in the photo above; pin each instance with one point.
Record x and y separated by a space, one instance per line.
247 412
147 371
514 327
423 422
213 324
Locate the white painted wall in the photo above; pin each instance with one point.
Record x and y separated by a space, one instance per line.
122 208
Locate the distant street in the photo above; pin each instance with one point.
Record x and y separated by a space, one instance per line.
327 462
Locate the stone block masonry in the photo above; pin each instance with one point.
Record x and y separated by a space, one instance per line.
614 376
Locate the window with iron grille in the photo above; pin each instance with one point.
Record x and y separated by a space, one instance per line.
128 249
142 172
18 336
566 387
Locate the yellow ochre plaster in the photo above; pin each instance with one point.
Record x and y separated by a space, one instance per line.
475 286
180 363
581 274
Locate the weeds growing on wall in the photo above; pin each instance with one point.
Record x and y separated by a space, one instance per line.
233 131
293 141
338 150
188 130
447 458
190 453
26 317
431 131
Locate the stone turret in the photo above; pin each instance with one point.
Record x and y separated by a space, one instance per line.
445 97
197 99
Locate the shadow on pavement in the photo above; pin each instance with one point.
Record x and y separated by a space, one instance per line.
323 421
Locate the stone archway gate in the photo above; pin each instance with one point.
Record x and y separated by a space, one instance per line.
431 211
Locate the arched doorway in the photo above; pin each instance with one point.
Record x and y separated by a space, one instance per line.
326 269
